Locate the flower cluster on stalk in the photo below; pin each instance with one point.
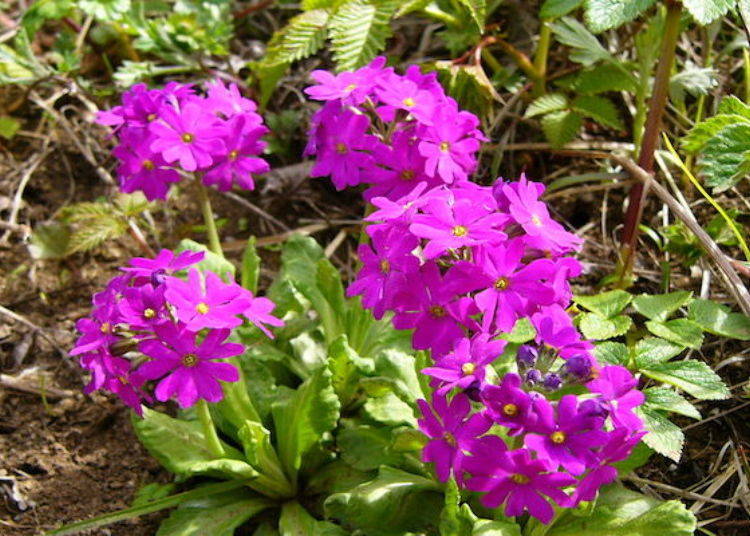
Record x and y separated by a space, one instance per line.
461 265
163 132
153 333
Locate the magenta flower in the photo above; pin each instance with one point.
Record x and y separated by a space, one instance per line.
228 101
142 169
97 330
450 144
555 328
143 307
214 304
349 87
452 432
190 136
165 263
465 365
617 388
259 314
522 483
238 161
569 438
188 370
400 93
509 405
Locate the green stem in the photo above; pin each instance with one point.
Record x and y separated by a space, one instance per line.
435 12
746 57
209 430
540 58
208 218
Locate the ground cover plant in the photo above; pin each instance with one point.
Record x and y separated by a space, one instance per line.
487 336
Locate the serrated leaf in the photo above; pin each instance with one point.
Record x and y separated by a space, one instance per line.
478 11
599 109
605 14
680 331
719 320
692 80
389 409
602 78
358 31
552 9
597 327
367 447
699 135
347 367
95 232
655 350
607 304
303 35
523 331
545 104
664 399
694 377
723 155
733 106
660 306
705 11
663 435
211 261
612 353
561 127
587 50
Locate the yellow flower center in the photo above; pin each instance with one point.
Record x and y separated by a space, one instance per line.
445 146
189 360
460 230
448 438
106 327
202 308
437 311
408 102
233 155
407 175
468 368
350 87
520 479
502 283
123 380
149 313
558 438
510 410
150 117
536 220
148 164
385 266
341 148
187 137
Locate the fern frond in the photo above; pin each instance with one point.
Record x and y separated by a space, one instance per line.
359 29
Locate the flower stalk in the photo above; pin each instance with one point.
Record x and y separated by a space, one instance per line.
209 430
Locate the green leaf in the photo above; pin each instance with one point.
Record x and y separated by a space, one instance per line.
600 110
680 331
250 268
699 135
660 306
705 11
347 368
607 304
664 399
663 435
390 409
50 241
211 261
302 418
217 515
586 47
723 155
152 492
691 80
694 377
394 503
367 447
552 102
605 14
638 458
296 521
621 512
478 11
602 78
719 320
523 331
180 447
469 85
552 9
652 350
732 105
485 527
596 327
303 35
8 126
455 519
561 127
612 353
358 31
105 10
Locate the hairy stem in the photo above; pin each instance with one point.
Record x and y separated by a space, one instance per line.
214 243
540 58
209 430
650 139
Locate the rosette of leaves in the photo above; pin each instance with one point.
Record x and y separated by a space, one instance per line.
668 326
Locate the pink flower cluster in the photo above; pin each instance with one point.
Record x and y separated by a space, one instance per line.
150 325
162 132
461 265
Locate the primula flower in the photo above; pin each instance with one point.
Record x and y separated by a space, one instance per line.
555 329
450 144
165 263
509 405
451 431
214 304
142 169
228 100
238 161
465 365
142 307
190 136
522 483
398 92
189 370
349 87
259 313
97 331
617 388
566 439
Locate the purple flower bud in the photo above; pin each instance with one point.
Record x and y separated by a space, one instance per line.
579 366
552 382
527 355
533 376
473 391
158 277
594 408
